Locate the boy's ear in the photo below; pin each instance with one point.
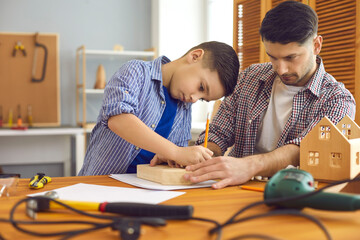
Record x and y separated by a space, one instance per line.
195 55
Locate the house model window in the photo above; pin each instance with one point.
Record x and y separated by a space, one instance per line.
346 130
325 132
335 159
313 158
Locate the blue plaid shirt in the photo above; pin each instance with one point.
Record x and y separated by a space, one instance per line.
239 115
135 88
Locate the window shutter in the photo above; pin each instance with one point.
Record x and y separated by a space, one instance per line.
337 25
246 31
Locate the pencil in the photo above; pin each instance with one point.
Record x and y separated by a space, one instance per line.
257 189
206 130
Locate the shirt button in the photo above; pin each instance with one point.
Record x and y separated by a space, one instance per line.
126 92
137 148
152 125
250 121
162 102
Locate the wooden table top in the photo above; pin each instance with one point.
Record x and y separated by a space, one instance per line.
218 205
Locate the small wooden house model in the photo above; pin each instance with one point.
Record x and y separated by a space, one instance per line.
332 152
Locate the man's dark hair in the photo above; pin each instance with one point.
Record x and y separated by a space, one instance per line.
289 22
222 58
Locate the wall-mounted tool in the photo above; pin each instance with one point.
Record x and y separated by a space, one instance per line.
10 119
19 47
37 46
19 119
19 125
29 116
1 116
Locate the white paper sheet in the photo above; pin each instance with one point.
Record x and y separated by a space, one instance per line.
132 179
99 193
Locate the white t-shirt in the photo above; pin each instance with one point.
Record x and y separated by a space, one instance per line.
276 116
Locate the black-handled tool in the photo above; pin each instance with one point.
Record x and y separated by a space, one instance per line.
148 210
37 44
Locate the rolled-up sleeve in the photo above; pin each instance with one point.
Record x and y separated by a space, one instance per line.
122 91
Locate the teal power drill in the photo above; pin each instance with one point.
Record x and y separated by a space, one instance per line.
294 182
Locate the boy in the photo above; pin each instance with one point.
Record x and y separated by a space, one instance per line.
146 109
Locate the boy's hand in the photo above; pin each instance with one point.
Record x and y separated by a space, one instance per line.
157 159
185 156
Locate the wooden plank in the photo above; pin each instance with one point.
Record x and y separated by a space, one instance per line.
162 174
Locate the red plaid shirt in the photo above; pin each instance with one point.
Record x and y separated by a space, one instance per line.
238 119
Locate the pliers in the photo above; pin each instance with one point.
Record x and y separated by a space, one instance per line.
20 47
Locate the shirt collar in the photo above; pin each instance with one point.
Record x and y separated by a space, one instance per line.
314 84
156 74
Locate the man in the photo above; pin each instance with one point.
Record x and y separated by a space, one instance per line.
274 105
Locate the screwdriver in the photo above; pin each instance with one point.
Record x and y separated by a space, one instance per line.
1 117
29 116
10 121
19 120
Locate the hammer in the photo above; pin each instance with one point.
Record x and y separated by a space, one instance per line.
45 203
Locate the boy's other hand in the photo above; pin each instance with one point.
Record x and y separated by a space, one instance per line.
185 156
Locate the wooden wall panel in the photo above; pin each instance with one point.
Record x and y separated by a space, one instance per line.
16 73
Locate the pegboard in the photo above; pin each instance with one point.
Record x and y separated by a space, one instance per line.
29 78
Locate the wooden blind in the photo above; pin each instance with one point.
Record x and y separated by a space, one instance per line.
246 31
337 25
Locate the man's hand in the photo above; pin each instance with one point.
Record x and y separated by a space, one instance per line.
231 171
185 156
234 171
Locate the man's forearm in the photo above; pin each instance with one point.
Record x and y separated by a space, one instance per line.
270 163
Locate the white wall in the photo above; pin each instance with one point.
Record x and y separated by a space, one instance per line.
178 26
220 21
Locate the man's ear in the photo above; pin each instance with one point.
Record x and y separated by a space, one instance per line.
317 44
195 55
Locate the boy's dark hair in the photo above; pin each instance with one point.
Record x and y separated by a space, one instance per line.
289 22
222 58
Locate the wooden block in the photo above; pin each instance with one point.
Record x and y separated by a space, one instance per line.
162 174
